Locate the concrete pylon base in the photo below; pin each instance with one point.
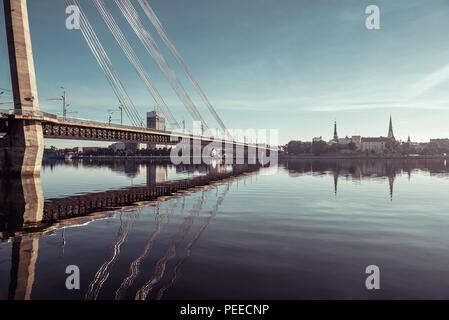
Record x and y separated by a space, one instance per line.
22 148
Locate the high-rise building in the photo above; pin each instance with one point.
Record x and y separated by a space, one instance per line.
155 120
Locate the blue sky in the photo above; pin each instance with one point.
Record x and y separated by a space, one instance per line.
291 65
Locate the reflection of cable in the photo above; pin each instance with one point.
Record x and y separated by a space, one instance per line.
63 242
134 268
170 253
103 273
178 266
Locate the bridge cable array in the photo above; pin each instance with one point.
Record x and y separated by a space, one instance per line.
106 66
150 45
134 60
163 34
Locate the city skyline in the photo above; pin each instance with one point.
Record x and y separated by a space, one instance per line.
330 68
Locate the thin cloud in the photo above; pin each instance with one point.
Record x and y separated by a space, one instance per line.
378 105
430 81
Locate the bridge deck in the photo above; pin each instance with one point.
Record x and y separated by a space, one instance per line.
80 129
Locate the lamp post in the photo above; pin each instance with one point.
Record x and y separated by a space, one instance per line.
64 106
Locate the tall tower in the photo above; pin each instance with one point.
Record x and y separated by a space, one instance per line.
22 148
335 131
390 130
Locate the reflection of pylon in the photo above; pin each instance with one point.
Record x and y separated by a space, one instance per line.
23 264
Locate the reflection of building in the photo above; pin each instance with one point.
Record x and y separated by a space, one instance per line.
358 170
156 173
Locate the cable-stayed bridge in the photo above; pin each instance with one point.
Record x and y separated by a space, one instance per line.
24 127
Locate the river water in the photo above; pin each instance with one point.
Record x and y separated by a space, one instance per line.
306 230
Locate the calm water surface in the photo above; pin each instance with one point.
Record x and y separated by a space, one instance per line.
308 230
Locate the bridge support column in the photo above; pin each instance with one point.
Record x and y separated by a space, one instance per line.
22 148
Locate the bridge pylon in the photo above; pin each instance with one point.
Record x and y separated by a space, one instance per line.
22 147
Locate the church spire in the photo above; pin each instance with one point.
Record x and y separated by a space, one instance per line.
390 130
335 131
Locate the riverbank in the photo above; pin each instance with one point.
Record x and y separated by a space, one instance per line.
362 157
281 157
121 157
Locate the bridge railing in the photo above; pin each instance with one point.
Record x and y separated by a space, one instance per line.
87 121
12 111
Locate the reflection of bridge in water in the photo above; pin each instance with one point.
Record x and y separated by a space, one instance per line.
22 205
156 170
25 216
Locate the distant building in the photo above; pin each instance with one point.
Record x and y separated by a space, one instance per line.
337 140
441 142
357 140
418 147
374 144
317 139
125 146
344 141
390 130
53 153
371 144
378 144
93 149
117 146
155 120
335 132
